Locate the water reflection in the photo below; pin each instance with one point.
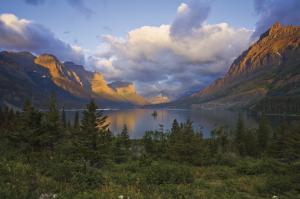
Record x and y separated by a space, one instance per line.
140 120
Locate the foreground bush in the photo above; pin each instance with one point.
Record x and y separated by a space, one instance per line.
168 174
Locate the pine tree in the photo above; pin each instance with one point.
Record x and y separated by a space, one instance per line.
93 139
263 134
250 143
28 130
240 136
125 137
63 118
76 121
52 124
175 127
69 126
121 146
285 145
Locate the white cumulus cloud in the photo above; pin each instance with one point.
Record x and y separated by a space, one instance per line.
161 64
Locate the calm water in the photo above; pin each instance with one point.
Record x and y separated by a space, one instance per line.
140 120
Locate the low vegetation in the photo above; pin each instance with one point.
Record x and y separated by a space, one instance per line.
45 156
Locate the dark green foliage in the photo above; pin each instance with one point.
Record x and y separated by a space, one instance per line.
168 174
279 105
87 161
184 144
121 146
94 139
76 121
51 125
155 143
28 134
285 145
220 141
240 132
263 134
63 118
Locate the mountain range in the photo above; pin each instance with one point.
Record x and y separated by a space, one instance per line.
267 73
265 77
25 76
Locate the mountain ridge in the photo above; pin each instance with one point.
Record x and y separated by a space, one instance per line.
269 67
35 77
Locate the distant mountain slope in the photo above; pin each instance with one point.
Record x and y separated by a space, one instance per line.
23 75
21 79
127 91
270 67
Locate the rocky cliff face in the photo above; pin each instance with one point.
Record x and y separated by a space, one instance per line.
21 78
269 65
127 91
100 87
61 75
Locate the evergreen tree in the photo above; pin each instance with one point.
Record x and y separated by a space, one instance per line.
240 136
184 144
285 145
125 137
121 146
263 134
28 130
63 118
52 124
250 143
69 124
175 127
219 141
76 121
94 138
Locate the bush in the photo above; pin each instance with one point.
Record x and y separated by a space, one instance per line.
168 174
87 181
228 159
263 166
249 167
277 185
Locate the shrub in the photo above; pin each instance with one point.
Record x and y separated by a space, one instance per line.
228 159
87 181
277 185
249 167
168 174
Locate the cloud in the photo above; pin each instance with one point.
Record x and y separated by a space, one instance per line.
170 60
271 11
24 35
76 4
158 63
190 16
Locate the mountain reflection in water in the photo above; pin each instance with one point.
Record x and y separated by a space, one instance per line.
140 120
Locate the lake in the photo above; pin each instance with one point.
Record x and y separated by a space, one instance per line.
140 120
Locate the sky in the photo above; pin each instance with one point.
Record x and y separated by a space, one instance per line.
165 47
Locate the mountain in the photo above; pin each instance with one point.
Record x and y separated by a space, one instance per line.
127 91
25 76
61 75
269 69
21 78
159 99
